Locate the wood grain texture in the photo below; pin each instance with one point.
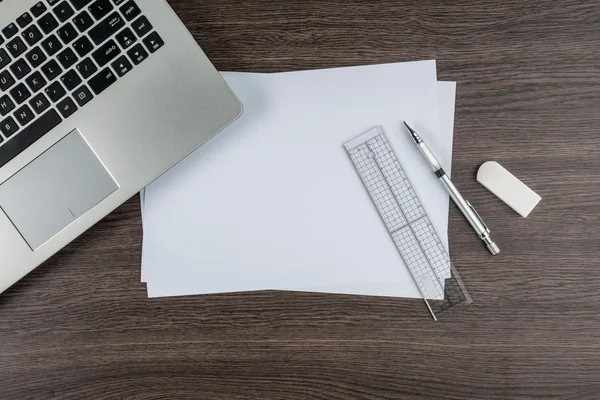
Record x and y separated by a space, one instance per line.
528 72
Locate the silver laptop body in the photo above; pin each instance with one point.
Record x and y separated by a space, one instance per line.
139 95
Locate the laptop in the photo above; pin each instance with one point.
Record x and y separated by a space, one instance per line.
97 99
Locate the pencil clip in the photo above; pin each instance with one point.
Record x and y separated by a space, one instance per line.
478 216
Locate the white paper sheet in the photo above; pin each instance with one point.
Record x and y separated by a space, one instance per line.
447 93
265 204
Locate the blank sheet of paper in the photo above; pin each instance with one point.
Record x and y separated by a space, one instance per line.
264 204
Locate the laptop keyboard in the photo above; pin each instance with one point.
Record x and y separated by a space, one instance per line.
60 54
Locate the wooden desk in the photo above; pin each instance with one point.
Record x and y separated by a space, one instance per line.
528 72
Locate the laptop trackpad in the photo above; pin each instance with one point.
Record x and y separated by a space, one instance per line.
55 189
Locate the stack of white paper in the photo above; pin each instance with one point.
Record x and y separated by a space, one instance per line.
273 201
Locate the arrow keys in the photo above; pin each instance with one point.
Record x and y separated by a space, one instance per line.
137 54
125 38
121 66
153 42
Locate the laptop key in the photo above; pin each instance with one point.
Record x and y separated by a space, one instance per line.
24 115
102 81
100 8
20 93
8 127
52 45
24 20
36 57
137 54
51 69
87 68
153 42
66 107
38 9
32 35
6 81
83 21
106 53
141 26
83 95
67 58
20 68
35 81
130 10
67 33
63 11
6 105
39 103
121 66
16 47
28 135
83 46
55 92
106 28
47 23
10 30
125 38
70 80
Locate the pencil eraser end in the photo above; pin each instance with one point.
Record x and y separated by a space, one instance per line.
508 188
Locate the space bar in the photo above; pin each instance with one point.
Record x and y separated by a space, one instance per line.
28 136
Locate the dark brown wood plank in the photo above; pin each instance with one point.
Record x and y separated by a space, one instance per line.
528 78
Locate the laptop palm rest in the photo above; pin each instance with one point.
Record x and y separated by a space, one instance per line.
55 189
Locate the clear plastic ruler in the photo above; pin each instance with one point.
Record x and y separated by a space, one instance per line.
407 222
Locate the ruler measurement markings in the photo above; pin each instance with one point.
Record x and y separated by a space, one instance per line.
406 197
430 286
409 225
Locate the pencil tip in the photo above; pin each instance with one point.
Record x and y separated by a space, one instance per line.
413 134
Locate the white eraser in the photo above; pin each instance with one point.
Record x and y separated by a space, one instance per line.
508 188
